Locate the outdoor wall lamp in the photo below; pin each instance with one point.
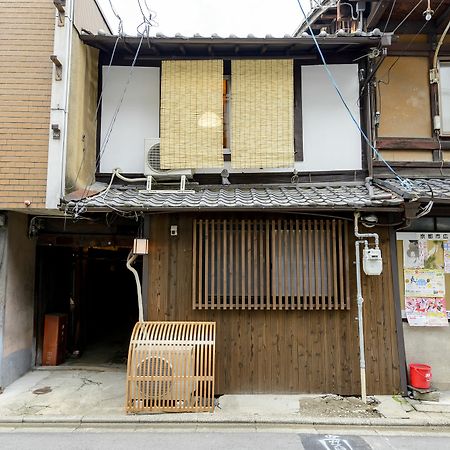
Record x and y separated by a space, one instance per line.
140 246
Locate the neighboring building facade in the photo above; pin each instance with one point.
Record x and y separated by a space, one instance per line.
410 103
32 98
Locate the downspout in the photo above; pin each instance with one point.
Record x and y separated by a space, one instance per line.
362 239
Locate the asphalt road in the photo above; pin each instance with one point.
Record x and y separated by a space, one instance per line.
234 440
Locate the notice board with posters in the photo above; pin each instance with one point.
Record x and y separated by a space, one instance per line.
424 276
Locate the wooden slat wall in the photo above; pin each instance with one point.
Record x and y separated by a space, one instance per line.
171 367
268 274
281 351
26 43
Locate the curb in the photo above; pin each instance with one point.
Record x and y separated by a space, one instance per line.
164 419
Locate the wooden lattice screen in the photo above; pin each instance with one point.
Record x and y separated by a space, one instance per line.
171 367
270 264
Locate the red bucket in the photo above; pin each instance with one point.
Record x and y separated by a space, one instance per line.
420 375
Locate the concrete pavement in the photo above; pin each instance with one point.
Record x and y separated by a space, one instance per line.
96 397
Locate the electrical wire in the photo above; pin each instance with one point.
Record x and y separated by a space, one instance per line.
404 182
120 29
406 17
389 16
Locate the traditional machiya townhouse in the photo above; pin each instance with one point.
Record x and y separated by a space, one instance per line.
410 122
238 162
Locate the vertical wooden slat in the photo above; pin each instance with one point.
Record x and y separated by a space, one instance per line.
239 299
279 258
256 268
297 261
323 263
310 265
346 267
231 267
286 271
304 268
274 267
268 284
341 266
213 264
335 267
194 264
249 264
243 260
200 265
224 270
316 265
261 264
330 274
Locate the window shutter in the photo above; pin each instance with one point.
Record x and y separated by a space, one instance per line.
262 114
191 114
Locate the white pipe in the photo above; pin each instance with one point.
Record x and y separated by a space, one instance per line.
130 260
129 180
365 235
438 47
360 301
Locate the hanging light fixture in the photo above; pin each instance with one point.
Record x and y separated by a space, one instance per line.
428 13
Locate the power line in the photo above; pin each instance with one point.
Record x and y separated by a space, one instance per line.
406 17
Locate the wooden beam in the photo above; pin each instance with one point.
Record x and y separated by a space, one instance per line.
407 144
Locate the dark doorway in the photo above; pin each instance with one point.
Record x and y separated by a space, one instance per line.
93 287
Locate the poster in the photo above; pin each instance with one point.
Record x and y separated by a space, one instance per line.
426 311
434 257
446 246
414 251
424 283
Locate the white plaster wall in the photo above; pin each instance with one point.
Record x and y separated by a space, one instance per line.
331 140
138 117
430 345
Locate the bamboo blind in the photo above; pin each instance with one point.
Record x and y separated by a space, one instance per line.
191 114
262 113
270 264
171 367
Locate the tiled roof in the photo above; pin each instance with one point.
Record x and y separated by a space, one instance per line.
342 196
425 188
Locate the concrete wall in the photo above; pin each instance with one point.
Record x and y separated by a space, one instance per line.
17 256
430 346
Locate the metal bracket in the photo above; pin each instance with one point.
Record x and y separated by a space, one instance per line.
58 67
59 5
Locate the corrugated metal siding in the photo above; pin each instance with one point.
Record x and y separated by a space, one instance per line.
87 15
26 43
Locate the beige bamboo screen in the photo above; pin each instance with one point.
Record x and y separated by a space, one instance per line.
270 264
171 367
191 114
262 113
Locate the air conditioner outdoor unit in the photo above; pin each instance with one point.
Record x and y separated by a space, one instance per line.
163 374
152 163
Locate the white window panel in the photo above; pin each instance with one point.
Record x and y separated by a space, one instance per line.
331 140
444 101
137 120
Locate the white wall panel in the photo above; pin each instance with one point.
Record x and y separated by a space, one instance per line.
138 117
331 141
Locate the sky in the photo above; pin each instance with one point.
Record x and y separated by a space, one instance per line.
205 17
